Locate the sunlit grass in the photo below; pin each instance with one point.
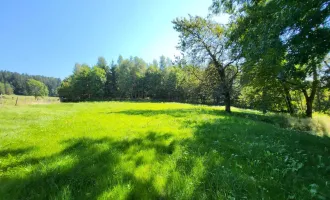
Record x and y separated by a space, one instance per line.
156 151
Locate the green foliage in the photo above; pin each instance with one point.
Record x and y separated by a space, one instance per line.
156 151
85 84
132 79
162 62
66 89
153 82
36 88
203 41
97 81
289 39
102 63
6 88
18 82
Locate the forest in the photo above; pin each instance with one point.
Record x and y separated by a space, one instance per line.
16 83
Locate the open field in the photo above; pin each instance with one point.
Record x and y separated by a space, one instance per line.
156 151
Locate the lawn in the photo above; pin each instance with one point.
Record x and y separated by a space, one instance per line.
117 150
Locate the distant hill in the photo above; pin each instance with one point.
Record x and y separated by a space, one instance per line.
18 82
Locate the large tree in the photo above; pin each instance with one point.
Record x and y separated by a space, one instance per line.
203 41
295 32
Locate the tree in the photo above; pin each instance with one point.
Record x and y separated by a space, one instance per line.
65 91
124 79
295 32
6 88
97 79
120 59
37 88
325 81
162 62
113 81
2 88
155 63
81 82
102 63
152 81
204 41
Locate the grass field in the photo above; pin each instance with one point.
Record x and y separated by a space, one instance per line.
156 151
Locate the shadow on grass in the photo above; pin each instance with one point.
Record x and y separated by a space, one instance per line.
227 158
16 152
151 113
184 112
252 161
85 169
279 120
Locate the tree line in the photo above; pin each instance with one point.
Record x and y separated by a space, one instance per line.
133 78
272 55
16 83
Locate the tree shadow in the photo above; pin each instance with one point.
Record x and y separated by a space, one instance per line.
279 120
247 160
16 152
171 112
88 167
244 160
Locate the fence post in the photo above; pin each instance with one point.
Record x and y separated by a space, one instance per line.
16 101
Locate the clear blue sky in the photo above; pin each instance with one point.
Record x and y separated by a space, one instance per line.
48 37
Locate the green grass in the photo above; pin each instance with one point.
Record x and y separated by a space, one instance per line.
156 151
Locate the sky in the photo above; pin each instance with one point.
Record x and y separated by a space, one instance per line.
49 37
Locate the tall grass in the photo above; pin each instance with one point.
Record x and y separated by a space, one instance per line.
318 125
26 100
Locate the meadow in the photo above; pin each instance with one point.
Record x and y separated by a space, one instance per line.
127 150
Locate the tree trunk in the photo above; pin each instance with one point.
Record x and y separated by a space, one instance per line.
227 101
309 110
264 100
319 99
226 89
309 103
288 99
310 99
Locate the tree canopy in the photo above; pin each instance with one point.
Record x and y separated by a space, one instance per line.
37 88
289 39
204 42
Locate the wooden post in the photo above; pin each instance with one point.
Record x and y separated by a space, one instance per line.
16 101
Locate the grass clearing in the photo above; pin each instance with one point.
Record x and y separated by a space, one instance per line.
115 150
